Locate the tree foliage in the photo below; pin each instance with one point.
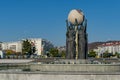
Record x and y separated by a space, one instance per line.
62 54
9 52
92 53
33 49
53 52
106 54
117 54
27 47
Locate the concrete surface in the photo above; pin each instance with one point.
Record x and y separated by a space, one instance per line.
15 60
57 76
76 67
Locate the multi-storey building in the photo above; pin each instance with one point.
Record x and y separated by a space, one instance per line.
110 47
15 46
41 45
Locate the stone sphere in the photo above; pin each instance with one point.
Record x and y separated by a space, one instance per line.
75 14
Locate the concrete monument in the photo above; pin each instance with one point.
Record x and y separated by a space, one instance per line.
76 35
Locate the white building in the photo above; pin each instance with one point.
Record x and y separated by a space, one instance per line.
15 46
111 47
41 45
0 45
1 54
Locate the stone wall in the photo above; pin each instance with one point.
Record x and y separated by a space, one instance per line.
76 67
40 76
6 61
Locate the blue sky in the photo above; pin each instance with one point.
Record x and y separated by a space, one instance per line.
46 19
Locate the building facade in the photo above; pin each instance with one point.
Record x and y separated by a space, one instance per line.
14 46
41 45
0 45
110 47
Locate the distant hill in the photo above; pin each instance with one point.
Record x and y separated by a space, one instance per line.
94 45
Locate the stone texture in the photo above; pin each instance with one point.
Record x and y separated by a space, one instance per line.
76 67
40 76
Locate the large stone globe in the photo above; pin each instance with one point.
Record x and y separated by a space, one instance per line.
75 14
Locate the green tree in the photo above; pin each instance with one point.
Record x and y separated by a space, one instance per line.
53 52
106 54
26 47
33 49
92 53
117 54
63 54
